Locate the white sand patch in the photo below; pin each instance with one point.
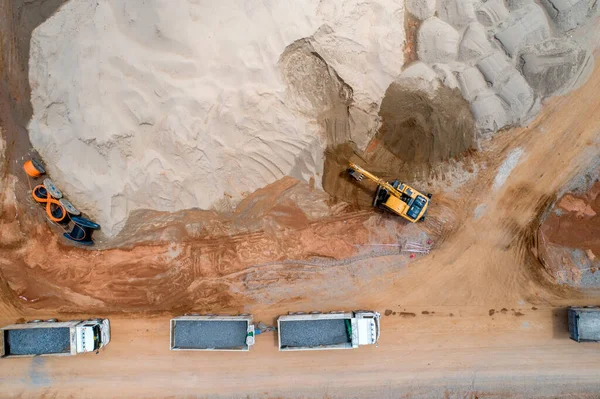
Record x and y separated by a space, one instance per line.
507 166
148 105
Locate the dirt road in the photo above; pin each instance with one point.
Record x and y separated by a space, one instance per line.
468 355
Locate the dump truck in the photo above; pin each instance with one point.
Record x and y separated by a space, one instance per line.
212 333
395 197
584 324
335 330
54 338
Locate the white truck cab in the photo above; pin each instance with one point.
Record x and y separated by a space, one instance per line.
92 335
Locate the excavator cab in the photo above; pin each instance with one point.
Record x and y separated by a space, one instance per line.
395 196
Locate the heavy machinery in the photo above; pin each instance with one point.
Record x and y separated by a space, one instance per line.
335 330
54 338
395 197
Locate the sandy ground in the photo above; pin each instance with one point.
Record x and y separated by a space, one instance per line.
483 282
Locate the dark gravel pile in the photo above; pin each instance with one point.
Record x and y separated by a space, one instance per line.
210 334
37 341
313 333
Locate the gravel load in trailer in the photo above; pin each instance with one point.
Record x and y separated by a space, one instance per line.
53 338
314 333
233 333
337 330
37 341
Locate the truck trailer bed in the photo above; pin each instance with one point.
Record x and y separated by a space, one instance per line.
313 333
37 341
209 334
584 324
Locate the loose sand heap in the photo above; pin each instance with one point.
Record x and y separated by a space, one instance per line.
151 106
505 57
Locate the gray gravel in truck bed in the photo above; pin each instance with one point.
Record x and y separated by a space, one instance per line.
195 334
313 333
37 341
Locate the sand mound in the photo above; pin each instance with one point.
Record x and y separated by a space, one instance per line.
151 106
421 127
504 55
437 41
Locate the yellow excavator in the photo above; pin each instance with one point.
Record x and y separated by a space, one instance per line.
395 197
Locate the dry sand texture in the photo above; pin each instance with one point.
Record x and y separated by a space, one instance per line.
167 108
505 56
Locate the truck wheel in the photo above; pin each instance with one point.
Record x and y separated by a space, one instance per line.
429 195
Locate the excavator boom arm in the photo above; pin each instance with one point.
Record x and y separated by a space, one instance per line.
374 178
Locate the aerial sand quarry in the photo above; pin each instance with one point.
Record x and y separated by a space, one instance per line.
211 144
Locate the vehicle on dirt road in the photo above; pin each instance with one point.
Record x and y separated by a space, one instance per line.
584 324
212 333
54 338
336 330
395 197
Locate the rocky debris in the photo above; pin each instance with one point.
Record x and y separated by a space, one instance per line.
422 9
437 41
202 334
492 12
313 333
527 26
474 43
590 255
554 65
518 97
457 13
572 204
489 112
36 341
570 14
495 67
446 75
516 4
471 83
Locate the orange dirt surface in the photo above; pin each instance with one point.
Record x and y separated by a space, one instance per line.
486 320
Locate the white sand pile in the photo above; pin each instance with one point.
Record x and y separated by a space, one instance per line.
148 105
506 55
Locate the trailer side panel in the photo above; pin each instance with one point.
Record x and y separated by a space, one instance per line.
313 333
206 334
584 324
37 341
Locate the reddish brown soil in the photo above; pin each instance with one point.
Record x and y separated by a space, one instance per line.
579 224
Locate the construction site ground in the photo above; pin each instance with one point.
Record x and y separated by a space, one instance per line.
478 317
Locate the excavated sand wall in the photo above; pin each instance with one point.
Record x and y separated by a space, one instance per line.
151 106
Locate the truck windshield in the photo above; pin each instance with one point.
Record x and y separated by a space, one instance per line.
97 337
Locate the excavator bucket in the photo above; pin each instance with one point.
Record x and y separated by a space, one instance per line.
355 174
